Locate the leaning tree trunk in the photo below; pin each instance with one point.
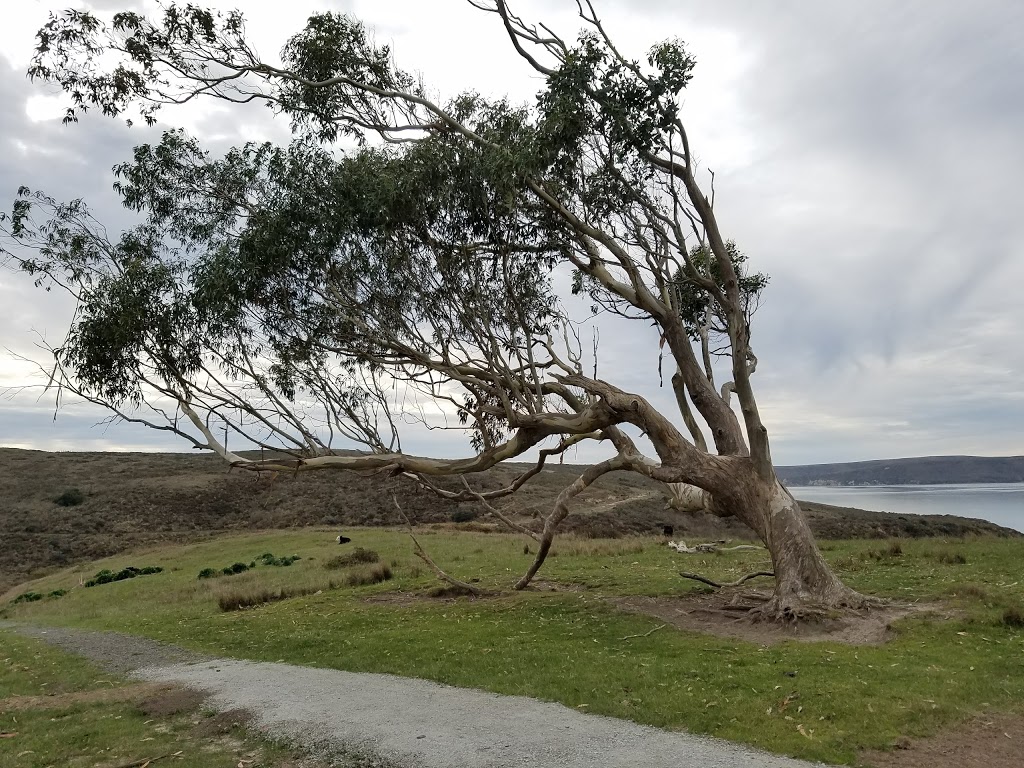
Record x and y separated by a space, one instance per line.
805 584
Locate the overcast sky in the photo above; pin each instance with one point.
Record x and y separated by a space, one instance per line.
867 155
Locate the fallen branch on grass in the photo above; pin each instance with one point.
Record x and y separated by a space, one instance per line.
717 585
680 546
645 634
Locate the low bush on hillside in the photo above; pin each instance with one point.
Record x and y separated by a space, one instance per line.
107 576
464 515
267 558
70 498
358 556
32 597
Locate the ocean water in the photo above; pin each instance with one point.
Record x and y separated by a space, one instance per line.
1000 503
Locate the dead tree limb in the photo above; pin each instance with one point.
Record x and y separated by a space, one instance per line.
712 548
717 585
499 514
421 553
644 634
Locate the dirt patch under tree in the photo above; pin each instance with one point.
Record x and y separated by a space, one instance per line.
727 614
987 741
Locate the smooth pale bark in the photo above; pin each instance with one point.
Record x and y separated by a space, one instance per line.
804 582
687 498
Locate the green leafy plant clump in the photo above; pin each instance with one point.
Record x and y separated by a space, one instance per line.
34 597
107 576
267 558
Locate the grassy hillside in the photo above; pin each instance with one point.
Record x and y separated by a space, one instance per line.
128 500
604 631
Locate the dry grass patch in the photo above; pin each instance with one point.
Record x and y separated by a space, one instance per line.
362 577
237 600
715 614
569 546
358 556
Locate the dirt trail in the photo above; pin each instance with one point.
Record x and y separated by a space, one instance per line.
385 721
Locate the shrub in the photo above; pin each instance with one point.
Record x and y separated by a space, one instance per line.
70 498
952 558
268 559
464 515
27 597
230 570
207 573
58 593
106 576
355 557
1013 617
375 575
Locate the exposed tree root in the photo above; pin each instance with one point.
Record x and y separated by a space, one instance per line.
717 585
793 608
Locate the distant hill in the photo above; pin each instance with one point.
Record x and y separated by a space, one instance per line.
132 500
925 470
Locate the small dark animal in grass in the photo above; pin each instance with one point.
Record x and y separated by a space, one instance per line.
343 539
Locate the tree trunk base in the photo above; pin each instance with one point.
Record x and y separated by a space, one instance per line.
796 607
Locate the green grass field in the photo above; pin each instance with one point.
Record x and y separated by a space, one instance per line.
821 701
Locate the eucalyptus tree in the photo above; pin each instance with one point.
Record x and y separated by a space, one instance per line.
404 252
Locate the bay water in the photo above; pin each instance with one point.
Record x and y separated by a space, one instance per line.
999 503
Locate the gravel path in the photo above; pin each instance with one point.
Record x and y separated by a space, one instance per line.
387 721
